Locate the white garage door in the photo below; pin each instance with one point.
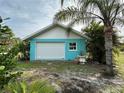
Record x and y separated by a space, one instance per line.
50 51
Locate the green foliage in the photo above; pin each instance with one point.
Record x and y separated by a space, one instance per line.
5 32
84 11
23 51
41 87
2 68
95 46
122 47
113 89
38 86
8 51
109 12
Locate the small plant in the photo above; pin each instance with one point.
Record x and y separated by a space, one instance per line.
38 86
113 89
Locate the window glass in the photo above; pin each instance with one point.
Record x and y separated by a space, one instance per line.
72 46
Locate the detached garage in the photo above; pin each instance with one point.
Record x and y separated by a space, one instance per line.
55 42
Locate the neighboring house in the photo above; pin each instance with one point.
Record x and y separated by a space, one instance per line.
56 42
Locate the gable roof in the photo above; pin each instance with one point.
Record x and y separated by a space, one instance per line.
50 27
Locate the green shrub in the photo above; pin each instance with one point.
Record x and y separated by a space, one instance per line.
122 47
38 86
8 51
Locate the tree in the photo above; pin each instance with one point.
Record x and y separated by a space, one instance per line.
8 51
95 46
23 50
110 12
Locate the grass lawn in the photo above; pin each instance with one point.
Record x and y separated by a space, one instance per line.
47 71
120 64
63 67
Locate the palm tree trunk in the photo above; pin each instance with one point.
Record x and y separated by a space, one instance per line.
108 48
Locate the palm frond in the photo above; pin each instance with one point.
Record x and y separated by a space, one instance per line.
68 14
119 21
106 10
62 1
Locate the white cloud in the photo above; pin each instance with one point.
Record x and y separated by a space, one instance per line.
27 16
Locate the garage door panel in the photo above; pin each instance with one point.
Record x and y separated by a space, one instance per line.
50 51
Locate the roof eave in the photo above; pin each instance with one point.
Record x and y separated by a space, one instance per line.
49 27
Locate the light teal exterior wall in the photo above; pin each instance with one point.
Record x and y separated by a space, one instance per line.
81 49
32 50
69 55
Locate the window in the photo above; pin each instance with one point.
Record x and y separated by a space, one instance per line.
73 46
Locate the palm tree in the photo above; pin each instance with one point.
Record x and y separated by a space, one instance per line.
95 46
110 12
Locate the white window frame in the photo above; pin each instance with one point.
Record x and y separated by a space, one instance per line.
69 46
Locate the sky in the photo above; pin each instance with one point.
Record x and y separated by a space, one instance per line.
28 16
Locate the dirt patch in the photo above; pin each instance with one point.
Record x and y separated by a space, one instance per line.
72 82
